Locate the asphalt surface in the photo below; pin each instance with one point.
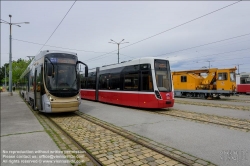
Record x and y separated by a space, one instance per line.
219 145
22 135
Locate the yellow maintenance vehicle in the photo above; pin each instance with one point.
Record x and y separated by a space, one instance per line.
204 83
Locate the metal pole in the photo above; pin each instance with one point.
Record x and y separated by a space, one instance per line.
238 67
10 63
10 53
5 76
118 51
209 64
113 42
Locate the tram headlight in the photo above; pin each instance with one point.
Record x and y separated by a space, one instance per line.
50 98
78 98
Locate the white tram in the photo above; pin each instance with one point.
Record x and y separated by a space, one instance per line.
51 82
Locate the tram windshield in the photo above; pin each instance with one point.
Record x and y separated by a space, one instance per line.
60 72
163 75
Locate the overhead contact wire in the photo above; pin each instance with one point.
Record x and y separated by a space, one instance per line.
170 29
58 25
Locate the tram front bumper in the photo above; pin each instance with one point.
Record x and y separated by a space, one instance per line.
65 106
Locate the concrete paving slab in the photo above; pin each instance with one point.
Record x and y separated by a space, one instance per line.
15 116
22 135
30 143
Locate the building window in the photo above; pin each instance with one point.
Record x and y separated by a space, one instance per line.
183 78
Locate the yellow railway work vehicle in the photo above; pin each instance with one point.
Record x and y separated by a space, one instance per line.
51 82
204 83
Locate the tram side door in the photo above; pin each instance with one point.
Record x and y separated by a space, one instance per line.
38 88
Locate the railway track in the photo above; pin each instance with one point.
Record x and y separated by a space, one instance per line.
228 99
232 123
237 107
65 142
106 144
235 100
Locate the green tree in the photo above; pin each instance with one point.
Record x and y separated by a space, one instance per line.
2 73
18 68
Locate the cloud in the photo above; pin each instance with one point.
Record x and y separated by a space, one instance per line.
90 26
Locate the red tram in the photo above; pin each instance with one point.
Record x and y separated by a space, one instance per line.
143 83
243 83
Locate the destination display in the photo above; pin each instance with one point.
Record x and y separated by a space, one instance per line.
63 60
159 64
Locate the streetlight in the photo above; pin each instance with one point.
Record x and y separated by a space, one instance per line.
209 63
10 56
238 68
113 42
31 57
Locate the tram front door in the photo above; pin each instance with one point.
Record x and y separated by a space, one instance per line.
38 88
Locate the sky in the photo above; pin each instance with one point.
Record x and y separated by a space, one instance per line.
183 31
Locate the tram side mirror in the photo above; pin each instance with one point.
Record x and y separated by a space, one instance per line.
86 68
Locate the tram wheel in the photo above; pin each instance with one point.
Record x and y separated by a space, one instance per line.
202 95
188 95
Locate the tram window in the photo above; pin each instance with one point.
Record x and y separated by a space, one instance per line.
183 78
163 80
38 80
147 84
114 82
83 82
103 81
145 66
247 80
90 81
222 76
31 81
26 82
132 68
131 81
